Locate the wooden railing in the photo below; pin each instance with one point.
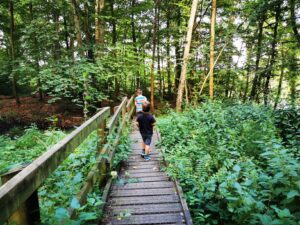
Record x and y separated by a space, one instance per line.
16 194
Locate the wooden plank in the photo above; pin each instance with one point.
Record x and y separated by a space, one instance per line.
141 175
150 219
143 166
136 163
21 186
145 200
148 185
148 170
146 209
138 158
143 192
151 179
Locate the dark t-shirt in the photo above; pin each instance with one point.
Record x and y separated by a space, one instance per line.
146 121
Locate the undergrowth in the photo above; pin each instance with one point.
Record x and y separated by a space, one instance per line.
232 165
58 192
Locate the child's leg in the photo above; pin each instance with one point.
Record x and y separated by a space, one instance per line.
147 149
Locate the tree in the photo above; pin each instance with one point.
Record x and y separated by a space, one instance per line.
212 48
186 56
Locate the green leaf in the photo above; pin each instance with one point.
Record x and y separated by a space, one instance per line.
292 194
284 213
61 213
75 203
77 178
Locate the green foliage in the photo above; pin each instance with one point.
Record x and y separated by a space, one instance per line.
288 123
232 165
24 149
59 189
123 149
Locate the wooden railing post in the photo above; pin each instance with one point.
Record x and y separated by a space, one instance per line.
29 212
102 133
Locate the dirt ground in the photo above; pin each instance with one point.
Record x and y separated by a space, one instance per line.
62 114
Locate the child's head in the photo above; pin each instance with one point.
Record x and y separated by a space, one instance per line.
146 106
139 91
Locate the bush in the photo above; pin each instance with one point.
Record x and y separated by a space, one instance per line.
232 165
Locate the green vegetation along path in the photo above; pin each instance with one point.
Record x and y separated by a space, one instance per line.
143 194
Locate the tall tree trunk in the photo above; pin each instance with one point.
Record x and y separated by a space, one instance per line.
256 84
36 56
13 52
280 79
158 52
133 25
177 50
273 52
186 56
87 30
113 22
168 55
212 48
293 21
153 53
76 16
99 26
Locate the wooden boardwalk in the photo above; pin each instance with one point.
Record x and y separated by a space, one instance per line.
143 194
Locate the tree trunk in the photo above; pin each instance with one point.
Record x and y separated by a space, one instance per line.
13 52
212 48
280 79
37 57
153 53
158 53
113 22
293 21
273 52
99 25
168 55
186 56
177 51
256 84
76 16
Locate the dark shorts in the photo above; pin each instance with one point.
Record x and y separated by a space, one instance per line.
147 139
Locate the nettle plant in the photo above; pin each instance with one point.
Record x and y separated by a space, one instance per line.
232 165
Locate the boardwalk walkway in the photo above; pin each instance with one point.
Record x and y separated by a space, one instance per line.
143 194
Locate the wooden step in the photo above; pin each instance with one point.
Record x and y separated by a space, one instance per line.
147 185
142 192
144 200
165 218
146 209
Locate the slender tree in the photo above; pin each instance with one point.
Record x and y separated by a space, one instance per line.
212 48
13 52
186 56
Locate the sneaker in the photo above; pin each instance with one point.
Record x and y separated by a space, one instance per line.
143 153
147 157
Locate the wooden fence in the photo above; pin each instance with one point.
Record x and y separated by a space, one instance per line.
18 196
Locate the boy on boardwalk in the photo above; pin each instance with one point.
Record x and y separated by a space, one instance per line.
145 123
139 100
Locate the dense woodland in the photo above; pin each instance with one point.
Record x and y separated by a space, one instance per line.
88 51
223 76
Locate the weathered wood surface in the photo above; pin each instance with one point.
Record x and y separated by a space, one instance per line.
20 187
143 194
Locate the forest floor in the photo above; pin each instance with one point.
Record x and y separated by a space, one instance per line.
62 114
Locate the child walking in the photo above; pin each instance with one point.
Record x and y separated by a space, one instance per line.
139 100
146 121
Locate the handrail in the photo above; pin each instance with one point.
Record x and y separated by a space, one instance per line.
19 188
114 119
